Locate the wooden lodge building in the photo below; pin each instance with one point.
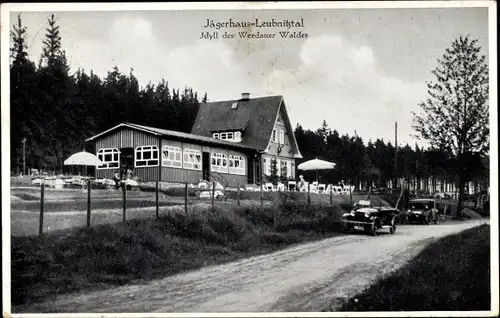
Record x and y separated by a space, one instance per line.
229 142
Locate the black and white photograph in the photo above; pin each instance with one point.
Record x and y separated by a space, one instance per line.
249 159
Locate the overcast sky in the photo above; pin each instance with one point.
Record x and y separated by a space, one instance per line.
360 70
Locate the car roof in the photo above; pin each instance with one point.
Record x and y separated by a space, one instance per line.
366 210
422 200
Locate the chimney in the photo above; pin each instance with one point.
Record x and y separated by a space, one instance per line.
245 96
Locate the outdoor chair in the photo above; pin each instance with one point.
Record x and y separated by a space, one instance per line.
321 188
280 186
292 186
269 186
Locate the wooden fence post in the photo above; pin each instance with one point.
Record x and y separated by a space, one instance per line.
213 193
124 202
331 195
261 195
157 200
308 194
42 199
89 189
186 198
238 197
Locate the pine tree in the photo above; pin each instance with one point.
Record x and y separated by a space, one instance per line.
22 87
455 117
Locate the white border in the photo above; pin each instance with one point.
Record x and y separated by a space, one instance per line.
5 117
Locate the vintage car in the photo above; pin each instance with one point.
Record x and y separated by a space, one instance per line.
423 211
370 219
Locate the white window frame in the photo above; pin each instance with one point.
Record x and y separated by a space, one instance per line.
155 156
274 135
109 164
267 165
292 169
219 162
282 137
192 159
228 135
173 158
284 168
278 167
237 165
216 136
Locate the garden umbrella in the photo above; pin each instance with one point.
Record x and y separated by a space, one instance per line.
83 158
316 164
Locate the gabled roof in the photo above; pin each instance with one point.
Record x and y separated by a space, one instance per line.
256 115
175 134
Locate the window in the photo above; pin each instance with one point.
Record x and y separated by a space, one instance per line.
146 156
216 135
274 135
192 159
110 158
284 168
266 162
234 105
226 135
171 157
237 165
278 167
282 136
219 162
291 171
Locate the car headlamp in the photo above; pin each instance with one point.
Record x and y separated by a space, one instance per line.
367 215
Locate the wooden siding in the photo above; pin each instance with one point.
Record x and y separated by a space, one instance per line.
126 137
233 180
106 173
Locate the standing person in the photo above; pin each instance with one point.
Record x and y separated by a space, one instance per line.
116 179
302 183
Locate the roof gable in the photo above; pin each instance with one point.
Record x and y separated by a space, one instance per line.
256 116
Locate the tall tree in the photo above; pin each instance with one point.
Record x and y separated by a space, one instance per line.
22 87
455 116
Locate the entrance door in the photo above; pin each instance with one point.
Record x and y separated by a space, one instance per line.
205 165
251 170
126 160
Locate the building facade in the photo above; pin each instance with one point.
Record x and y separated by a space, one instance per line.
230 142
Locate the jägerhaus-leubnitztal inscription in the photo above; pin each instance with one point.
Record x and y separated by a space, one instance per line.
255 29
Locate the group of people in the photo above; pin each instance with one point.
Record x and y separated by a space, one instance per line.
125 174
303 183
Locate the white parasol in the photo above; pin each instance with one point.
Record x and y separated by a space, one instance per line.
316 164
83 158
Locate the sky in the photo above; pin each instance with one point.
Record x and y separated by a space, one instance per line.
360 70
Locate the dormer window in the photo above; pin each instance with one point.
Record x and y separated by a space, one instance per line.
234 136
234 105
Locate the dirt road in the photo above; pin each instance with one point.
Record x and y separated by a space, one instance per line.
315 276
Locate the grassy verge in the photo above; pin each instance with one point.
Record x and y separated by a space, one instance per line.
451 274
116 254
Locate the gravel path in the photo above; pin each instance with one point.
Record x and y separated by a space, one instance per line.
316 276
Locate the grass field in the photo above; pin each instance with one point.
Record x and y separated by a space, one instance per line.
142 249
451 274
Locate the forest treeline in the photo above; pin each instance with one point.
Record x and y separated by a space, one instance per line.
54 109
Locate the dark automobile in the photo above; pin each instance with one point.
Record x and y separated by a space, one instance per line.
370 219
423 211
